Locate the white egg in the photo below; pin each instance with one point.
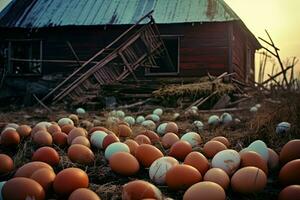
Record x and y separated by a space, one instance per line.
237 120
158 111
1 186
140 119
213 120
161 128
149 124
159 168
113 113
80 111
12 125
114 148
193 138
226 118
64 121
283 128
258 105
97 138
153 117
259 147
46 124
228 160
253 109
194 108
199 125
130 120
176 115
120 114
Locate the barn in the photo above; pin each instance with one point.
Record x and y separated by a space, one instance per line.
44 41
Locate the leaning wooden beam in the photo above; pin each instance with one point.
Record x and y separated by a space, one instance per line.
239 101
135 104
73 52
204 100
52 61
276 75
41 103
194 103
224 110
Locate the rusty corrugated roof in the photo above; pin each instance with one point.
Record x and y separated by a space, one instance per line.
47 13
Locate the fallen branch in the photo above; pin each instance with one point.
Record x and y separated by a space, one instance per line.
42 104
224 110
239 101
135 104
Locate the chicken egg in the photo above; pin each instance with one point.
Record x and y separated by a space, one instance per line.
290 173
24 130
114 148
291 192
47 155
97 138
290 151
180 149
7 164
132 146
222 139
211 148
44 177
142 139
218 176
83 194
193 138
81 154
147 154
169 139
228 160
29 168
132 191
197 160
206 190
117 160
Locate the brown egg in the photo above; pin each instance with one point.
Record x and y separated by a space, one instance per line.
248 180
273 160
54 128
251 158
60 138
28 169
70 179
42 138
44 177
97 128
290 173
218 176
75 132
81 154
291 192
223 140
47 155
142 139
20 188
211 148
123 130
81 140
180 149
206 190
83 194
74 118
140 189
197 160
290 151
182 177
132 146
147 154
24 130
10 138
86 124
67 128
171 127
117 160
37 128
151 135
169 139
7 164
109 139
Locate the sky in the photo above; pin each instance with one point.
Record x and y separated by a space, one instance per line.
281 18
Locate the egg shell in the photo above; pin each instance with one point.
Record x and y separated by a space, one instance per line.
228 160
80 111
114 148
74 118
47 155
158 111
117 160
10 138
24 130
171 127
259 147
65 121
169 139
291 192
283 128
290 173
222 139
151 135
67 128
206 190
290 151
43 138
44 177
140 119
199 125
182 177
147 154
120 114
97 128
132 145
60 138
12 125
109 139
218 176
132 191
7 164
1 186
54 128
36 129
124 131
44 124
83 194
211 148
142 139
97 138
159 168
19 188
75 132
81 140
161 129
149 124
197 160
81 154
251 158
180 150
29 168
213 120
256 180
153 117
226 118
253 109
193 138
273 160
130 120
70 179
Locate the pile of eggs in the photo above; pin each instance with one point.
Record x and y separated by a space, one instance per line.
182 161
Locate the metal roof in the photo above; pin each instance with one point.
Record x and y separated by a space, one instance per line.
47 13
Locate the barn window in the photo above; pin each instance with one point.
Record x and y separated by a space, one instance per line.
24 57
172 44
